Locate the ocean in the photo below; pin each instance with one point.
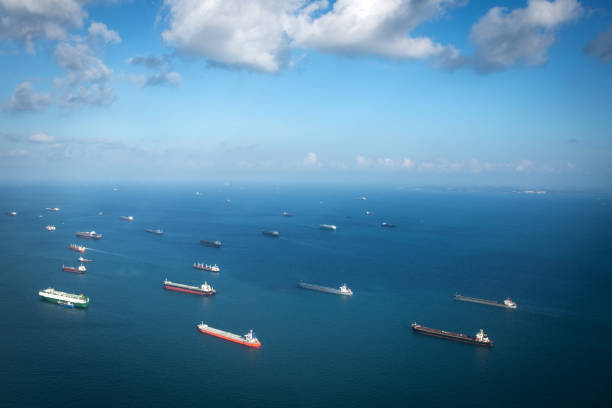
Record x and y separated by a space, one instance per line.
137 344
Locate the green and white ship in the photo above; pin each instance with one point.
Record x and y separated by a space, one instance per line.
63 298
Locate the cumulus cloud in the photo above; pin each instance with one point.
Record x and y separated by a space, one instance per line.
524 165
363 161
149 61
602 46
100 31
521 36
386 162
407 163
41 138
310 159
259 34
164 76
17 153
25 99
27 21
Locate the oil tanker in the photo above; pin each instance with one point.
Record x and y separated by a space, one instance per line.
63 298
77 248
342 290
203 290
508 303
89 235
247 340
213 244
480 339
81 269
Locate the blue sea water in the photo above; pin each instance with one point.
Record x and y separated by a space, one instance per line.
137 345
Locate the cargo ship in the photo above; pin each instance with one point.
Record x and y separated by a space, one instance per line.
203 290
63 298
81 259
507 303
480 339
342 290
247 340
274 234
50 227
89 235
54 209
81 269
77 248
155 231
206 267
387 225
327 227
126 218
214 244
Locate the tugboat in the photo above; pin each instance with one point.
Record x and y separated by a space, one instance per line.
327 227
206 267
213 244
387 225
77 248
481 338
81 259
54 209
126 218
81 269
155 231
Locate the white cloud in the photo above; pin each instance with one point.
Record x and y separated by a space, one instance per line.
524 165
521 36
310 159
602 46
363 161
386 162
259 34
164 76
570 166
407 163
100 30
42 138
475 166
17 153
25 99
29 20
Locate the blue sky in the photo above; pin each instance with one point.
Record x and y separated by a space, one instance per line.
413 92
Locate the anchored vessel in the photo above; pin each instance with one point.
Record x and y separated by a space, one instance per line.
387 225
368 212
480 339
286 214
77 248
204 290
327 227
50 227
508 303
274 234
54 209
155 231
81 269
214 244
126 218
247 340
63 298
206 267
81 259
342 290
11 213
89 235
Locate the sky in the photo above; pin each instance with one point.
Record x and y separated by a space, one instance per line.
457 92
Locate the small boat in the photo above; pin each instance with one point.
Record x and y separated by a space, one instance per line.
206 267
274 234
368 212
54 209
81 269
387 225
50 227
327 227
155 231
81 259
214 244
11 213
286 214
126 218
65 304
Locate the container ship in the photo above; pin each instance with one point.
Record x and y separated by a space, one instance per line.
274 234
327 227
155 231
89 235
387 225
214 244
50 227
63 298
77 248
508 303
247 340
342 290
206 267
81 259
203 290
81 269
480 339
126 218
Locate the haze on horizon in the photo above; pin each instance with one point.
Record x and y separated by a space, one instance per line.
435 91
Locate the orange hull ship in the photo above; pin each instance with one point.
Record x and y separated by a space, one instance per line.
77 248
247 340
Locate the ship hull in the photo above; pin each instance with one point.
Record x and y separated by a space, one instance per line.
483 302
192 291
81 251
450 336
72 270
323 289
59 302
205 269
210 244
221 336
85 236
